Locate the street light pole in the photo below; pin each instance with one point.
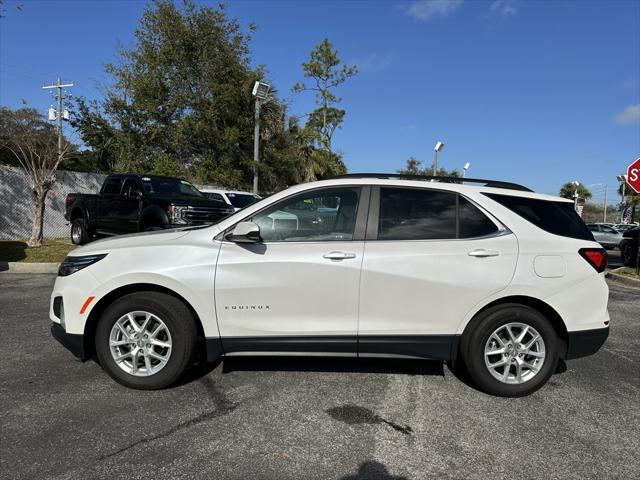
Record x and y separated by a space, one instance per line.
464 169
604 219
261 92
256 146
436 150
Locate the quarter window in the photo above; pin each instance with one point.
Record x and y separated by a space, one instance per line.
559 218
323 215
472 222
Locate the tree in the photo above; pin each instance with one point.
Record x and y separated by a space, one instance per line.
180 99
33 143
326 73
413 167
568 190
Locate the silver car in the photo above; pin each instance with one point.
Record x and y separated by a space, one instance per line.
605 235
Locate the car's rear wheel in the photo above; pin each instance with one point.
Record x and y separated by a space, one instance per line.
79 232
146 340
510 350
628 255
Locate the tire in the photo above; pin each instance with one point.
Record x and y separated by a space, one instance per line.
151 223
176 328
476 341
628 255
79 232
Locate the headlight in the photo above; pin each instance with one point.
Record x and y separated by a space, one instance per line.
176 214
72 264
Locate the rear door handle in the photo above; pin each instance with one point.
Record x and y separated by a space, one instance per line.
482 253
339 255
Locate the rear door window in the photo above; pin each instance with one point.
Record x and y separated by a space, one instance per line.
112 186
416 214
130 188
559 218
423 214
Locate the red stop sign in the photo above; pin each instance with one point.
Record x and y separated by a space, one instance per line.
633 175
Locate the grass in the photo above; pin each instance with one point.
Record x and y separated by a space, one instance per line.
52 250
630 272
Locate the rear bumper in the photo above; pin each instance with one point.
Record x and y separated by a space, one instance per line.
586 342
72 342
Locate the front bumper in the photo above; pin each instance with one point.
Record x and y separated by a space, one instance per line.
585 342
72 342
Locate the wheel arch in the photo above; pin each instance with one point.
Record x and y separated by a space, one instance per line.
77 212
98 309
536 304
153 215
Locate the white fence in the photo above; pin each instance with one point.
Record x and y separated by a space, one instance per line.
16 202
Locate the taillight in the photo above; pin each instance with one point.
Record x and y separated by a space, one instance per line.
596 257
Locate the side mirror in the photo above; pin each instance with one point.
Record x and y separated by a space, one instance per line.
244 232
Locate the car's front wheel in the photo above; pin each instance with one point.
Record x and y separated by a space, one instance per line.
146 340
510 350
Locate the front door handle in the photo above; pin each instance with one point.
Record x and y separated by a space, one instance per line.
482 253
339 255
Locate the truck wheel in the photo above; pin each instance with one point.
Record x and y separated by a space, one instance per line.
628 255
146 340
510 351
79 232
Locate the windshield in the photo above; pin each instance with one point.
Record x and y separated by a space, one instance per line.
169 185
241 200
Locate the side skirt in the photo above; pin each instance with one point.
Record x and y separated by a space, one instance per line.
434 347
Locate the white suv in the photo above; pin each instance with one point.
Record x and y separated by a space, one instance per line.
237 200
496 278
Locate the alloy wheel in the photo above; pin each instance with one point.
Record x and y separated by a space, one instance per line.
140 343
76 233
514 353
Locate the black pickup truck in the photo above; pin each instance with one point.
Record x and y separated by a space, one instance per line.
629 247
134 203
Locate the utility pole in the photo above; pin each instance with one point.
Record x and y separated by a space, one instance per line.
59 112
605 204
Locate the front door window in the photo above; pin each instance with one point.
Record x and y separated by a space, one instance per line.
323 215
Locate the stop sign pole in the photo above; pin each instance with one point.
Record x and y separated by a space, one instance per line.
633 175
633 179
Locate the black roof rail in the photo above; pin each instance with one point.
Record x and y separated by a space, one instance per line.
436 178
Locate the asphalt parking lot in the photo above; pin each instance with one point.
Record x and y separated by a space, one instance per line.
296 418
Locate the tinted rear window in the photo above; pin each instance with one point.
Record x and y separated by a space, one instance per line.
558 218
